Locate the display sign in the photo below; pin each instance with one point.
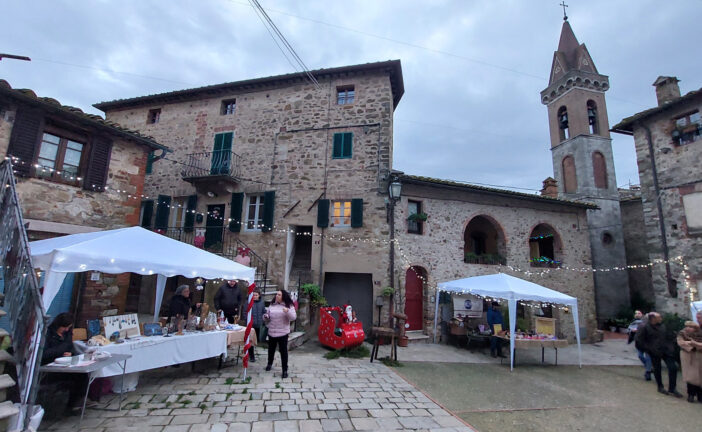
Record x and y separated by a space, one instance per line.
126 325
546 326
467 305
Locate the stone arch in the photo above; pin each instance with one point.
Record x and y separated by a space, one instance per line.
570 178
599 170
545 246
484 241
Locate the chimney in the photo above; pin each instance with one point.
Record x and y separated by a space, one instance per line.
667 89
550 188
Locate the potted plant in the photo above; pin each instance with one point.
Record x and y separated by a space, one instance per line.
418 217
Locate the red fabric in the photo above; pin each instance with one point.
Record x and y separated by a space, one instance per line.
249 325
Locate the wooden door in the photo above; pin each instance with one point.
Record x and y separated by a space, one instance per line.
414 291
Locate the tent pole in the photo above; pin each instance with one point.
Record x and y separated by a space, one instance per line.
436 312
160 288
576 321
512 303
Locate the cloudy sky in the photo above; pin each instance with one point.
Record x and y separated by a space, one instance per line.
473 69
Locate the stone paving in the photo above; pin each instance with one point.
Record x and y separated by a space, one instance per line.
320 395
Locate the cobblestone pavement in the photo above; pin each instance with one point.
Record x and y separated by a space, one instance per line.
320 395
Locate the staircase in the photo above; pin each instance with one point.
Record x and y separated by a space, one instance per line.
416 336
7 408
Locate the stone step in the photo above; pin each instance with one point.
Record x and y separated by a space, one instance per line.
7 409
417 336
295 339
5 383
5 357
2 313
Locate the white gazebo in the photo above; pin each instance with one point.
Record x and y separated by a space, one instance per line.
512 289
133 250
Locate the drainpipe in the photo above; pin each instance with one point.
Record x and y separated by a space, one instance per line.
661 221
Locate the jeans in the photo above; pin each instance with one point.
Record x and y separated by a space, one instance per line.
646 360
495 345
282 343
672 371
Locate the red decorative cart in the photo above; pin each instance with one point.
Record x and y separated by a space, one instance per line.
342 332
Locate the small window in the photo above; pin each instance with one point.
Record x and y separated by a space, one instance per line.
343 143
177 213
59 158
688 128
154 116
228 107
341 214
254 213
563 129
414 220
345 95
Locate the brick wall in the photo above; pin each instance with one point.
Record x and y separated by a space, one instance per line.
104 297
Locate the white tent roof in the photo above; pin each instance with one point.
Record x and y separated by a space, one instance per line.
134 250
506 287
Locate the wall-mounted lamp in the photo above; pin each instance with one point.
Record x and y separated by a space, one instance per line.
395 190
211 194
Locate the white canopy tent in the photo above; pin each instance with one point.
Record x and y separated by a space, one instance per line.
694 308
512 289
134 250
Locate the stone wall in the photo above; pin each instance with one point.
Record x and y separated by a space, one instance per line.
678 170
284 135
105 297
640 285
440 249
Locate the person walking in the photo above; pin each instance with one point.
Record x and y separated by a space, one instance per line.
690 343
639 322
228 300
278 317
257 320
655 341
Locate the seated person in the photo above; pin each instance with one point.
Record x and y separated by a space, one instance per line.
59 343
180 303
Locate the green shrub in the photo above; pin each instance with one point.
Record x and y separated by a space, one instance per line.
314 293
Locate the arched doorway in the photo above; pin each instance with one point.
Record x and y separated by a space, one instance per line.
414 297
483 242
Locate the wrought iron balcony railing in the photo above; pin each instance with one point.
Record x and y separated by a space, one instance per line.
208 164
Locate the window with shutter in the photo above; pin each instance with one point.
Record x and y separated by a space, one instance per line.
98 165
147 212
26 132
323 213
341 214
356 213
191 207
254 212
268 211
235 215
342 145
163 208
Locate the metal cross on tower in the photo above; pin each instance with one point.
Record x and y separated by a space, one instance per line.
565 17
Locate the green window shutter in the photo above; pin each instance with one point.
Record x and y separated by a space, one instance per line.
162 211
219 138
268 210
347 148
356 213
227 141
147 214
150 163
235 215
190 208
338 145
323 213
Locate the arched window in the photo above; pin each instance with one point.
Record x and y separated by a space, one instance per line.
564 131
570 179
599 168
592 118
544 247
484 242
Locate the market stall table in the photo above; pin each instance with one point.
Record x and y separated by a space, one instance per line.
235 338
537 343
93 369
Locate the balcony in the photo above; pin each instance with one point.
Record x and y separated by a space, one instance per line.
217 171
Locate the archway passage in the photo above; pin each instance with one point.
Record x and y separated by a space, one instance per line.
414 295
483 242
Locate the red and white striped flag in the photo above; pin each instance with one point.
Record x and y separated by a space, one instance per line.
249 325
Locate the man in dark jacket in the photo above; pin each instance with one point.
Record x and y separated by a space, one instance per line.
494 316
654 340
228 299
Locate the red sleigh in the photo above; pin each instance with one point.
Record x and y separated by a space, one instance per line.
341 332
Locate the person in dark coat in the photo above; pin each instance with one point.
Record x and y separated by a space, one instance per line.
228 300
59 343
180 303
494 316
257 319
655 340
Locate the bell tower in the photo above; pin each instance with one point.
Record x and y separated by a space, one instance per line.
583 164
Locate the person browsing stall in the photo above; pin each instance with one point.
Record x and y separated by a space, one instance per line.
278 318
228 300
257 318
494 316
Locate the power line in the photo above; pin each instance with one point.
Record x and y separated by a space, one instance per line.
101 69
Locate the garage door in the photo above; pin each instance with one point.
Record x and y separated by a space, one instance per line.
355 289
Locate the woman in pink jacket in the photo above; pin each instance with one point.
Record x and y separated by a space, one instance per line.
278 317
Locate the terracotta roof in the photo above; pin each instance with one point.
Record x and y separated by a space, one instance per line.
503 192
76 114
393 66
626 126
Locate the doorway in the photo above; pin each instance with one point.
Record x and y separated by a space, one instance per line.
414 295
355 289
215 226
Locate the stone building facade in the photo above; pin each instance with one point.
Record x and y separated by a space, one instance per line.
583 162
668 140
294 172
70 167
471 230
637 259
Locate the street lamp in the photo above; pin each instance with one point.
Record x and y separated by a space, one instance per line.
394 190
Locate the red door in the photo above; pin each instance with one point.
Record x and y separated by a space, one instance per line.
414 289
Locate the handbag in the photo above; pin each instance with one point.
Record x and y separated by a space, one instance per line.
264 333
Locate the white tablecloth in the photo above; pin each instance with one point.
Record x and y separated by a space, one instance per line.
158 351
